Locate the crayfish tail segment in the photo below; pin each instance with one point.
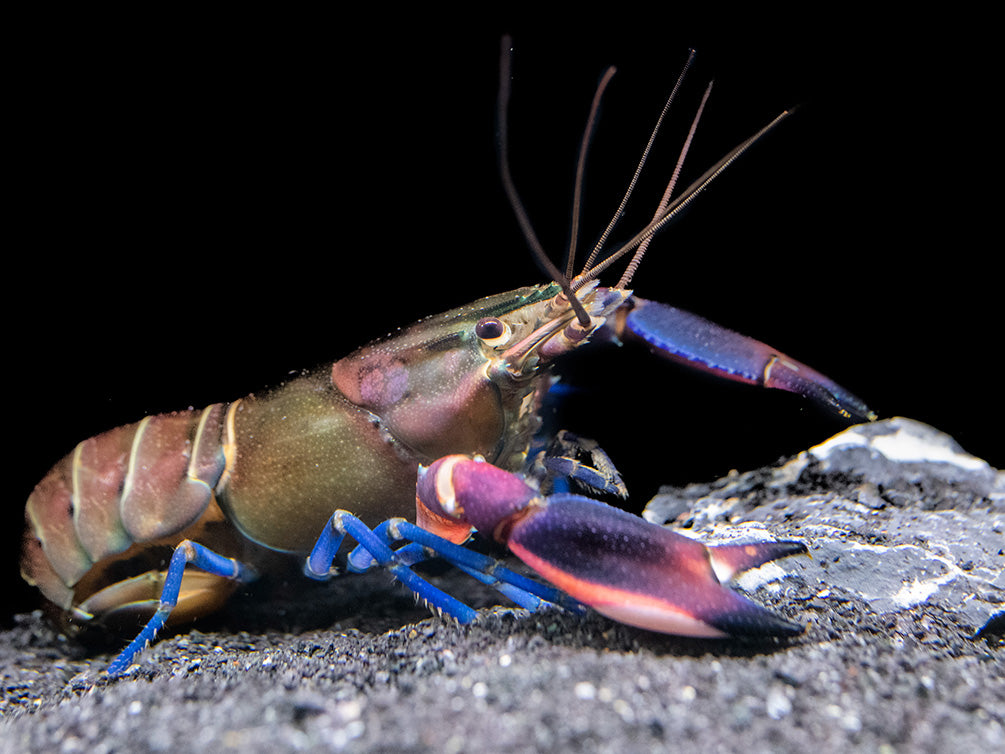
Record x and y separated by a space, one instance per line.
694 341
641 574
131 601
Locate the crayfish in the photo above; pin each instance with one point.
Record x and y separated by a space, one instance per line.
453 401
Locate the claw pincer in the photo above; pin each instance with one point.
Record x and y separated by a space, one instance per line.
687 338
622 566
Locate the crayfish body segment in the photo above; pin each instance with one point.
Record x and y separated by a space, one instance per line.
334 453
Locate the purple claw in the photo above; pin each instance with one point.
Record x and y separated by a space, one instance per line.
642 574
694 341
622 566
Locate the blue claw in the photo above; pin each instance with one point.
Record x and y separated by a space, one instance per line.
696 342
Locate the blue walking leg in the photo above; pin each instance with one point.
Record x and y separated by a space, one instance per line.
526 593
522 590
413 552
376 551
187 552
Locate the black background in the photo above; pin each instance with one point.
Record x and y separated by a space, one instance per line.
205 204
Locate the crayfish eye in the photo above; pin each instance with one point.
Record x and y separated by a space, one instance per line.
492 331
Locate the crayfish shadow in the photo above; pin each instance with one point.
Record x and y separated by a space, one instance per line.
736 647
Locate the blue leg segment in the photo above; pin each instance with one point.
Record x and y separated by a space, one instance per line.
525 592
375 549
187 552
319 562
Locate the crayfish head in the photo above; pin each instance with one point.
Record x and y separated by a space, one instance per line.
558 331
470 380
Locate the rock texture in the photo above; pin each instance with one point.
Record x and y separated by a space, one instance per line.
896 515
903 650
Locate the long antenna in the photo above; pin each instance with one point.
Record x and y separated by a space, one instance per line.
638 169
640 252
678 205
549 268
577 191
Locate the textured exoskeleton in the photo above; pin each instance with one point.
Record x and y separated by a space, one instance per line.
620 565
270 469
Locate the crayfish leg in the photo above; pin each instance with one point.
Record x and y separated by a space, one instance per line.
186 553
596 471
